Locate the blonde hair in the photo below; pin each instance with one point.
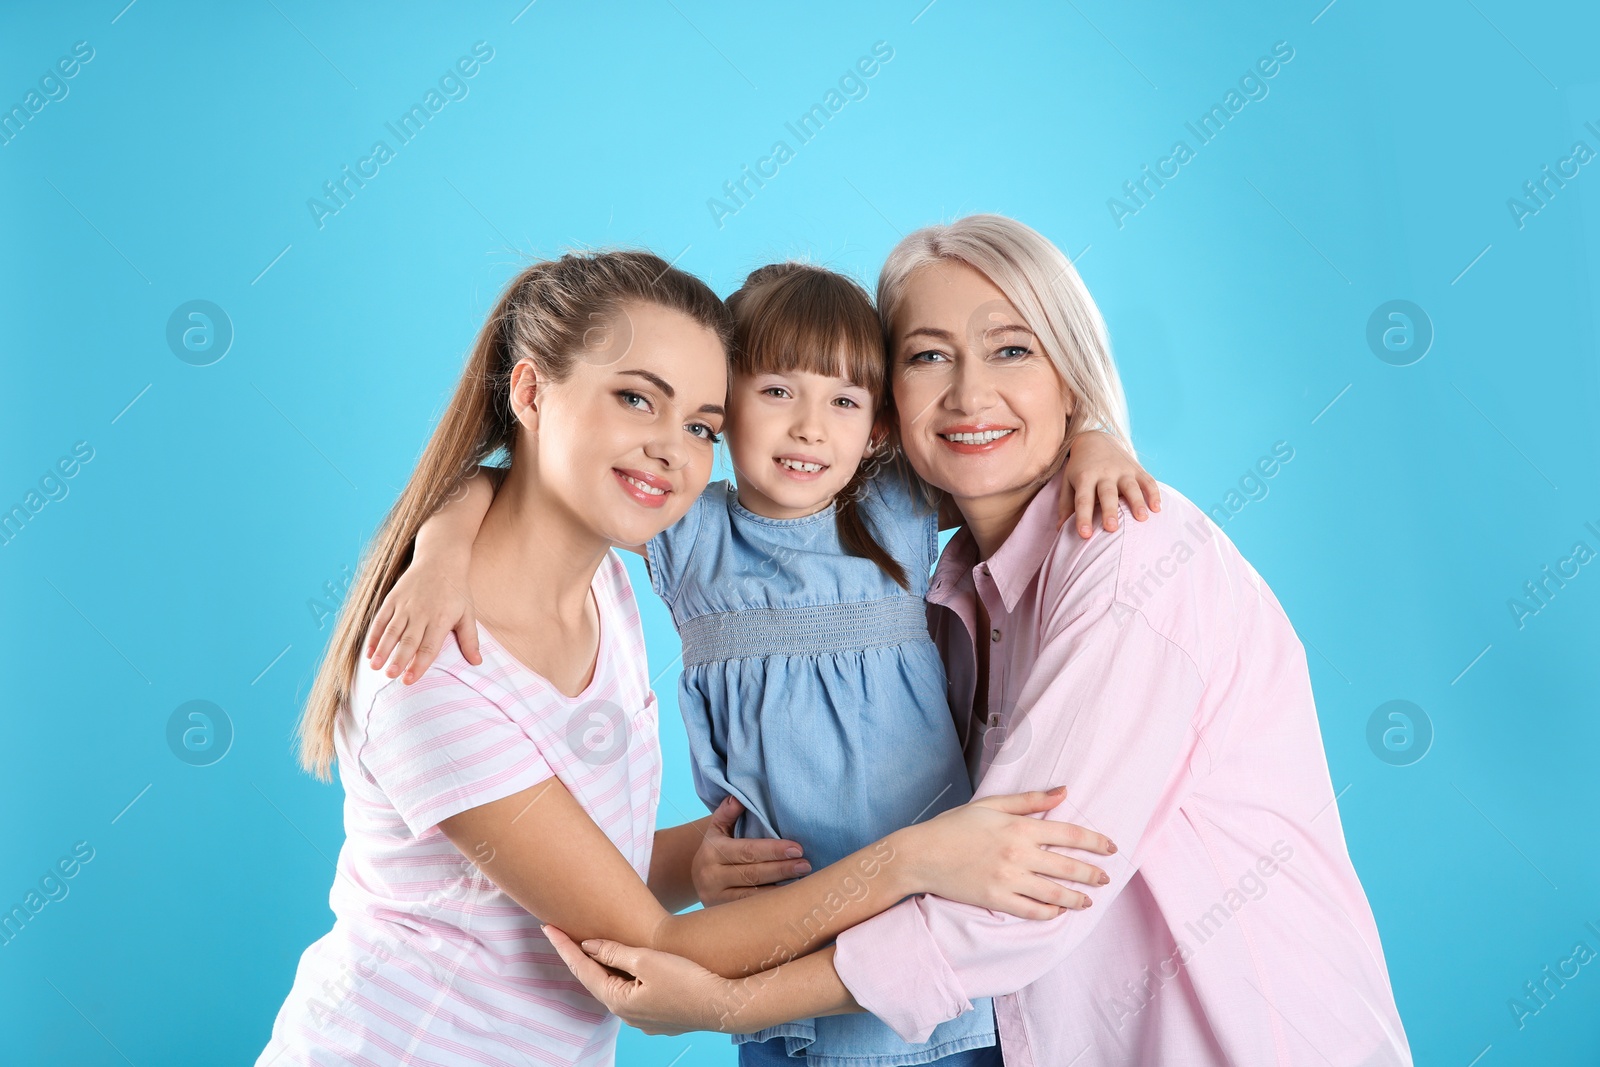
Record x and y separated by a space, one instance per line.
796 316
1041 283
542 316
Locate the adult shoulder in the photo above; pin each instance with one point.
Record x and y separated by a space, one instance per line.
1176 570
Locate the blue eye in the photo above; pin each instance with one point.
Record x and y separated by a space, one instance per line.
1020 351
710 435
916 357
629 396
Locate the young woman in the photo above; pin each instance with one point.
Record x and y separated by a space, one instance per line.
477 798
1151 670
811 691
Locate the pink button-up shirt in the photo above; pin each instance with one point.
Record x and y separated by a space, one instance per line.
1153 673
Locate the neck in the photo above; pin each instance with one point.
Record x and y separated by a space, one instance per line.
754 501
991 519
533 561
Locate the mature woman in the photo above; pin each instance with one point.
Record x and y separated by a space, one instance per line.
1148 668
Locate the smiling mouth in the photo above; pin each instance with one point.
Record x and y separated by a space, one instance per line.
643 487
803 468
981 438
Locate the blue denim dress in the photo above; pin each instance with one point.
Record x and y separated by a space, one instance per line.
813 693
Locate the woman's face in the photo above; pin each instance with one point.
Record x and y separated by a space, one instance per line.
625 442
982 410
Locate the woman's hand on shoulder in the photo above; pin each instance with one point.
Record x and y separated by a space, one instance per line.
1098 468
426 603
992 854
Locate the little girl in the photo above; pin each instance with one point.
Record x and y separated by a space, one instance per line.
811 690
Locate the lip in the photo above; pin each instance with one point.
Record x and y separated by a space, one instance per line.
967 449
649 500
800 476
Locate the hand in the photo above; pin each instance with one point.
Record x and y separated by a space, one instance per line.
426 602
1098 466
727 868
656 992
990 854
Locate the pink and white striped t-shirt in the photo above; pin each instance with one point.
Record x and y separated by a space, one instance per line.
428 962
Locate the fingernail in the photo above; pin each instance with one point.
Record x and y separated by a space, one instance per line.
591 946
1113 846
1105 879
802 867
1057 789
793 852
1088 903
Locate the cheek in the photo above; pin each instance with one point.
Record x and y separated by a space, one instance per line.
913 398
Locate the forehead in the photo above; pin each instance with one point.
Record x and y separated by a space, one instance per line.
951 296
640 336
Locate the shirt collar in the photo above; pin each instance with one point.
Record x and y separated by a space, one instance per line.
1015 563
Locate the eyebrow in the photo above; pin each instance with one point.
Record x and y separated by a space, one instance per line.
946 335
671 393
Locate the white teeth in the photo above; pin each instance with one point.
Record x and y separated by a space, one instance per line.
652 490
976 438
796 465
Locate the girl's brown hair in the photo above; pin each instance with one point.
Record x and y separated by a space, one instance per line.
543 316
796 317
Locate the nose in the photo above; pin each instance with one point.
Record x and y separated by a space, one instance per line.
667 444
808 425
971 387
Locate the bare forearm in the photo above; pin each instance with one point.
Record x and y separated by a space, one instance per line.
670 858
802 989
771 927
450 531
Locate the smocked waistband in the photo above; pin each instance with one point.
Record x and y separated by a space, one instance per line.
806 631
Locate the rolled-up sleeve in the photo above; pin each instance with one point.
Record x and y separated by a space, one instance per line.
1110 708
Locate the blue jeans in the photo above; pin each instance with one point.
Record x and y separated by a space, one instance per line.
772 1054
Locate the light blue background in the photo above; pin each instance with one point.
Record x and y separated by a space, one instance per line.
181 563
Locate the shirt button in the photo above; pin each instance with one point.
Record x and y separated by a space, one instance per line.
994 635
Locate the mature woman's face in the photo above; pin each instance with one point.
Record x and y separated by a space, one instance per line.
982 410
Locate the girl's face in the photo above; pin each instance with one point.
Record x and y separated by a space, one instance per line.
982 410
796 439
625 442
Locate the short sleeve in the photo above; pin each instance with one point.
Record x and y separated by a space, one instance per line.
668 552
900 515
438 747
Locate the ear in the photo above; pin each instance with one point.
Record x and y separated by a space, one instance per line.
877 438
526 390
